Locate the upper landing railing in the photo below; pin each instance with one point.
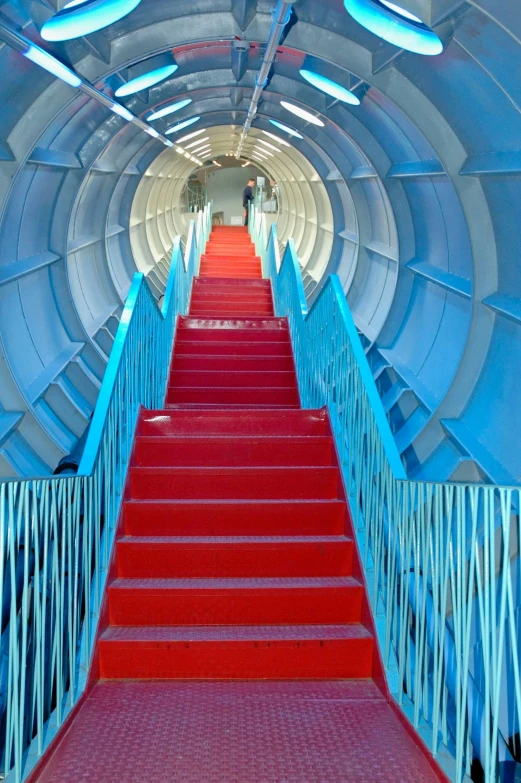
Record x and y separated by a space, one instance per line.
57 532
441 559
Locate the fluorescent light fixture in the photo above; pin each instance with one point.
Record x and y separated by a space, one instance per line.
201 145
117 108
393 24
401 11
217 164
191 135
330 88
168 143
169 109
245 164
287 129
196 143
302 113
271 146
85 18
151 132
262 151
146 80
258 155
181 125
205 148
73 4
276 138
52 65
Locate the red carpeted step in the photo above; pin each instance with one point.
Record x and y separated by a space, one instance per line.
220 284
229 362
252 601
235 450
234 517
262 483
243 349
233 556
286 652
253 422
201 307
246 396
221 378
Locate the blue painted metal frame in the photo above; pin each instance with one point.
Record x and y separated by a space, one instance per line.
57 532
437 556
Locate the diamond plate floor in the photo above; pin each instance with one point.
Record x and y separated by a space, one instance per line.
237 732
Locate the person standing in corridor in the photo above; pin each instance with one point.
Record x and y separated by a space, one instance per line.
247 197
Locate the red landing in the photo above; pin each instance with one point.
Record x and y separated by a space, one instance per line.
236 586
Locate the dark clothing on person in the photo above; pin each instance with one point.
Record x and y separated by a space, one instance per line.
247 198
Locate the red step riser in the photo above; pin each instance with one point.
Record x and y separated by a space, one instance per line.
227 363
230 250
233 268
218 379
245 350
252 397
303 559
217 285
314 660
239 275
240 606
232 451
234 483
229 519
281 423
232 296
237 271
234 336
246 273
216 310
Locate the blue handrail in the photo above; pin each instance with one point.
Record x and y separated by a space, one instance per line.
437 556
57 532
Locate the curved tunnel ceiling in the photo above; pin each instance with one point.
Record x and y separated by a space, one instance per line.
414 191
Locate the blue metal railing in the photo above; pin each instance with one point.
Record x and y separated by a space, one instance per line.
57 532
441 559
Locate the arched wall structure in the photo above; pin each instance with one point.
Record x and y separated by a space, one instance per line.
415 191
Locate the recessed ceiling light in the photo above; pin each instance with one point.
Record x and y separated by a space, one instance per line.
401 11
276 138
395 25
302 113
267 144
196 143
146 80
330 88
79 19
287 129
181 125
191 135
169 109
262 151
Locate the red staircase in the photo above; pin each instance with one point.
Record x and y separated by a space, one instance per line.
235 562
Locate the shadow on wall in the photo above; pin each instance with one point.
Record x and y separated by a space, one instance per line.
225 188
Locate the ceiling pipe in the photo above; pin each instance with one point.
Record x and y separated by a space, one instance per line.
44 60
281 16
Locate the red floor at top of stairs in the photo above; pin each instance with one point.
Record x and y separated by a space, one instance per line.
238 645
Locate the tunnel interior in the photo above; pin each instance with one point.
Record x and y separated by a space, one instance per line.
409 194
